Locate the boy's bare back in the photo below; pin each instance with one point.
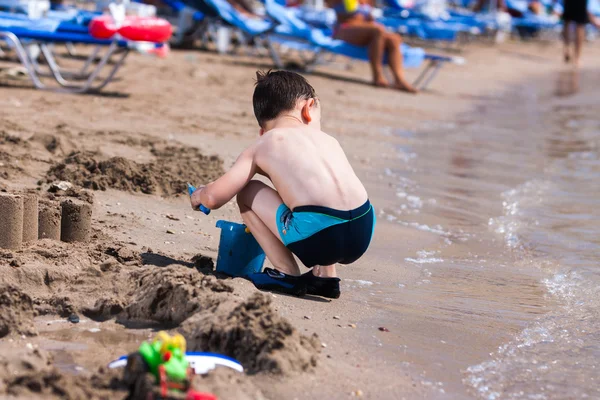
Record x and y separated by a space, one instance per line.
308 167
318 211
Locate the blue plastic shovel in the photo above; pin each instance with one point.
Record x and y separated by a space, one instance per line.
192 189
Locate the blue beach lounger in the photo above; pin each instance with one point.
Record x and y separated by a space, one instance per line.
530 23
70 20
425 30
444 19
23 36
185 19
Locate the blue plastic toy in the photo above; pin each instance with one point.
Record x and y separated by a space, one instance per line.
240 254
192 189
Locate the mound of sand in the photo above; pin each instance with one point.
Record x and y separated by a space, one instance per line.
57 194
34 377
174 166
227 384
7 138
8 166
54 144
250 331
17 312
104 280
63 278
170 295
254 334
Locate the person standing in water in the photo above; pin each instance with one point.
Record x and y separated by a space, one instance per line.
356 26
575 13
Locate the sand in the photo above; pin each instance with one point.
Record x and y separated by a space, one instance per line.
49 218
34 376
137 146
76 220
17 312
174 167
253 334
30 217
11 221
212 320
227 384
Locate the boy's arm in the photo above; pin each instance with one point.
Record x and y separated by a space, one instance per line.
218 193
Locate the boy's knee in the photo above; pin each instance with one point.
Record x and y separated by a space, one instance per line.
248 192
253 186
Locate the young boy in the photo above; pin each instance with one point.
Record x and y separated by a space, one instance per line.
319 209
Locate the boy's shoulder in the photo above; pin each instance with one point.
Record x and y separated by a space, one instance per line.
295 137
282 133
275 137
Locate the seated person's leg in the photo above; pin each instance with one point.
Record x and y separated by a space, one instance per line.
258 205
393 42
367 34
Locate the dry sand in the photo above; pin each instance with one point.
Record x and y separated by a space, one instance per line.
186 118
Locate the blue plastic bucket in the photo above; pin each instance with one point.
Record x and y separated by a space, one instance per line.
239 253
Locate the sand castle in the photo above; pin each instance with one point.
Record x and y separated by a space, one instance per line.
76 221
11 221
24 218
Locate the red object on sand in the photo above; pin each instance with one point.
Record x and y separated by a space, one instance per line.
191 395
135 28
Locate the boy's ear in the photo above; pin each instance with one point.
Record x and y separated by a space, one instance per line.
261 132
310 103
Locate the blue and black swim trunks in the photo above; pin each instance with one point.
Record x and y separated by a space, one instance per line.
324 236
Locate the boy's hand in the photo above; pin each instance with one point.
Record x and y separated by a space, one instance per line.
195 198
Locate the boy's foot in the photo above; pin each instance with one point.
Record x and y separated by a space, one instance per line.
326 287
271 279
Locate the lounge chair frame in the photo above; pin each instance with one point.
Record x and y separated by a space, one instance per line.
88 77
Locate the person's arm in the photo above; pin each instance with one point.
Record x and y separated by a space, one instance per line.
593 20
218 193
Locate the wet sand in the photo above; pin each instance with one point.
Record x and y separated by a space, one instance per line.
449 290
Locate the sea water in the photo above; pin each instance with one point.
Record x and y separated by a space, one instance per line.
510 201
